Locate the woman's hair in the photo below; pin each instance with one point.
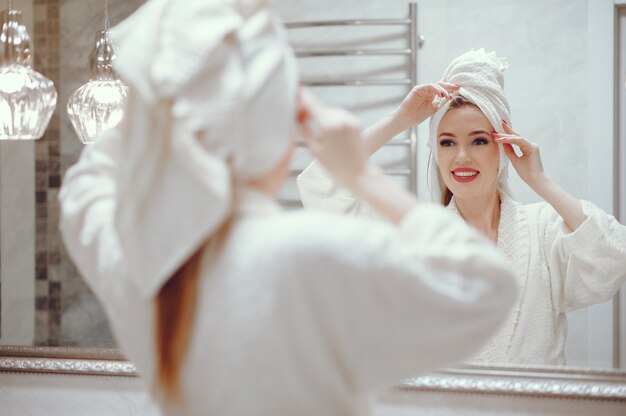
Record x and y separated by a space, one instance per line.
457 102
175 311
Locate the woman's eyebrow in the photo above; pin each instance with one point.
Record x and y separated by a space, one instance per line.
445 133
479 132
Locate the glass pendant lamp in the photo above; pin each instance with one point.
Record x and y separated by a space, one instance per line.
98 105
27 98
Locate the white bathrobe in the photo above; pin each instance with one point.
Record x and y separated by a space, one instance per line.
556 270
303 313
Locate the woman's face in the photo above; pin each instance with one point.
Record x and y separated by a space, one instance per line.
468 156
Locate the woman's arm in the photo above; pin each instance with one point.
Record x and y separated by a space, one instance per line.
391 302
587 265
334 136
418 105
568 207
320 190
587 256
530 169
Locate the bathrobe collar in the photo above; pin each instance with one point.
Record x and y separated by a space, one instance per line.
514 243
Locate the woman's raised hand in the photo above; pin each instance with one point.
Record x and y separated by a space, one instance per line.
334 137
418 105
424 100
527 165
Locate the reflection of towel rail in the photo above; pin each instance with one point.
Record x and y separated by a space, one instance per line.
351 52
415 42
391 172
291 203
404 142
349 22
397 172
357 82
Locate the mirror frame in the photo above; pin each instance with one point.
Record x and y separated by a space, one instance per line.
531 381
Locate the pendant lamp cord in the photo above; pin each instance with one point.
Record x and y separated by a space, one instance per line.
106 15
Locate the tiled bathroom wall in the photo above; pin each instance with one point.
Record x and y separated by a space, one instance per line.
47 182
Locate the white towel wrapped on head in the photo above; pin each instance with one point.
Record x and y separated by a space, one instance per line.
212 105
480 75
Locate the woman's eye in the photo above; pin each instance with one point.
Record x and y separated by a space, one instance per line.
446 143
480 141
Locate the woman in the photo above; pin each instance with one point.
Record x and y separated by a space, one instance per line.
567 253
226 304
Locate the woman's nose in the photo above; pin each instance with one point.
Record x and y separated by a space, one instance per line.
462 156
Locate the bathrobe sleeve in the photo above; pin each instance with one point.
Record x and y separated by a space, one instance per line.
588 265
87 203
391 304
320 191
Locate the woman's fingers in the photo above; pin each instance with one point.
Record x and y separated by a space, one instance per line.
303 103
441 89
321 124
427 94
308 104
443 92
507 128
431 91
442 97
449 86
309 112
509 138
525 146
510 152
527 164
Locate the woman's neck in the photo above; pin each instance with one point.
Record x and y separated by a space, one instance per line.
482 212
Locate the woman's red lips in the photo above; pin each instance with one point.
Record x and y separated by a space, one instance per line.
465 174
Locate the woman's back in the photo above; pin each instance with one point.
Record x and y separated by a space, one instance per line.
293 317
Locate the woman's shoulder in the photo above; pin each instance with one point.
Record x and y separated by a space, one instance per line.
310 233
542 212
539 212
328 226
538 208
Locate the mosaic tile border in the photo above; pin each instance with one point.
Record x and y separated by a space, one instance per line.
47 183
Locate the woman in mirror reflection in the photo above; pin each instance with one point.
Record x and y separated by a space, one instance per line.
227 304
567 253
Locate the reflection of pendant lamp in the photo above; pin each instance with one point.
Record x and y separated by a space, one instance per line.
27 98
98 105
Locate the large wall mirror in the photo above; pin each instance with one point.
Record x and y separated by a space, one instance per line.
557 86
